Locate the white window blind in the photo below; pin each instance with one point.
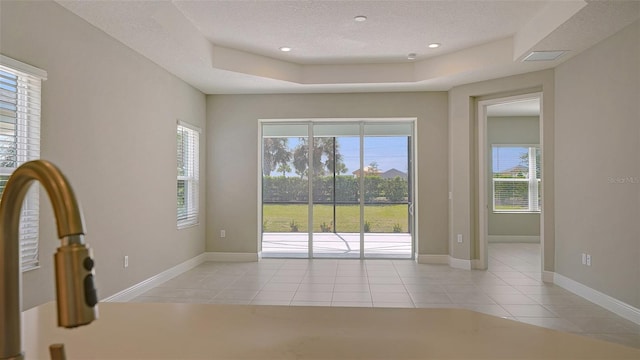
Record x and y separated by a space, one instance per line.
516 178
20 93
188 146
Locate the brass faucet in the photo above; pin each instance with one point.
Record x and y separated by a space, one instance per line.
76 294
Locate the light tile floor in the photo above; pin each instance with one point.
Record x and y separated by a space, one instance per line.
511 288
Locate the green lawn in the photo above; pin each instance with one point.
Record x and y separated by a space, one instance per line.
381 218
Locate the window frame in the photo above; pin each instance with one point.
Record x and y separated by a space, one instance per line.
191 178
533 182
27 113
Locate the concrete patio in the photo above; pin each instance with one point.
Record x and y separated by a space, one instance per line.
336 245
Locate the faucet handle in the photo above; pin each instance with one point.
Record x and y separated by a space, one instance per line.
57 352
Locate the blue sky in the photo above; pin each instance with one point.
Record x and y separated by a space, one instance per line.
388 151
505 157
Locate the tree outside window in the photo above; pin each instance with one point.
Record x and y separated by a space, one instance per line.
516 178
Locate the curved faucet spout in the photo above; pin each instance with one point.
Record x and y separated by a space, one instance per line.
76 294
65 206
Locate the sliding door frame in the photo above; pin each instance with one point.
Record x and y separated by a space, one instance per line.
362 122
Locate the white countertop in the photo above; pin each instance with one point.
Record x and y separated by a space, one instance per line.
201 331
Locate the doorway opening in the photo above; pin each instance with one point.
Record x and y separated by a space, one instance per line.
510 164
337 188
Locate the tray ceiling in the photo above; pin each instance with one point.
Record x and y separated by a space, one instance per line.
232 47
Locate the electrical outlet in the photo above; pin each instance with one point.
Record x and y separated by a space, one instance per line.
588 259
584 259
126 261
223 233
460 238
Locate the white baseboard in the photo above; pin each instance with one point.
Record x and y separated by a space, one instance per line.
513 239
229 256
459 263
548 276
444 259
146 285
432 259
612 304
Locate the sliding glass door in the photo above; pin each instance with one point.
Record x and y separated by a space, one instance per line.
337 189
336 214
285 190
387 193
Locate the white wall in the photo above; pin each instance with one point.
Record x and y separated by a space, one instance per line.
598 167
233 179
109 122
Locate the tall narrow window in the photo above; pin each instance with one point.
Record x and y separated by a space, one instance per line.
20 86
516 178
188 145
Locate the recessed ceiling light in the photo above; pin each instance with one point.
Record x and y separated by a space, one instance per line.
411 56
434 45
285 49
360 18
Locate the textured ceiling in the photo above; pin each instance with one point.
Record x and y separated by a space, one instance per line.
231 47
324 32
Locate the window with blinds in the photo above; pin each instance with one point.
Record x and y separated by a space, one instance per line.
20 86
188 146
516 178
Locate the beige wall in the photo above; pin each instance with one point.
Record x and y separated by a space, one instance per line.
109 122
233 179
525 130
597 166
463 158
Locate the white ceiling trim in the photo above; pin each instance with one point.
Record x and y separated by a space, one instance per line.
256 65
